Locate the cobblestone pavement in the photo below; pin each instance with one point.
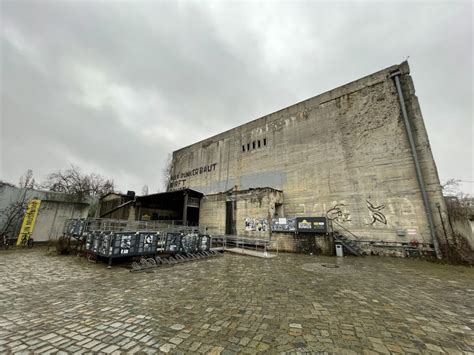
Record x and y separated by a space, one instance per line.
235 304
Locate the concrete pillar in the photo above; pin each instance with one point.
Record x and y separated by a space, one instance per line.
185 209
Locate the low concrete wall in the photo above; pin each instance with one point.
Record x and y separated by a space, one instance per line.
460 246
315 244
54 210
52 216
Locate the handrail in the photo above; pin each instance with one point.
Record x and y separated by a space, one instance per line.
243 242
347 230
108 224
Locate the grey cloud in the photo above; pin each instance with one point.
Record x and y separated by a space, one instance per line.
209 67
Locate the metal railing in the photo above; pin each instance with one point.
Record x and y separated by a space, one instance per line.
82 228
232 241
345 229
79 227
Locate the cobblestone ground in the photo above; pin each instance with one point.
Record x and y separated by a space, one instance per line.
235 304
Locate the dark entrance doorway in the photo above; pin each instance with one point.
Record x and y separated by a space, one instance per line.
229 218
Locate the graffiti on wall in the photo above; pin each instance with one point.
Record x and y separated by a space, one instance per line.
193 172
178 181
256 224
338 213
376 213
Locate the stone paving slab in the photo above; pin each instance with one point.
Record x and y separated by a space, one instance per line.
235 304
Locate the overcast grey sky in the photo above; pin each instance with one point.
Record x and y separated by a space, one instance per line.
114 87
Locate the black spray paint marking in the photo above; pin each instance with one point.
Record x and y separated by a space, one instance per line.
337 214
377 216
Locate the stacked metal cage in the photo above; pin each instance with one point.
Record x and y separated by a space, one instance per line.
128 244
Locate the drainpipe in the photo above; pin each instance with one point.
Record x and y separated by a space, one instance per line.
419 175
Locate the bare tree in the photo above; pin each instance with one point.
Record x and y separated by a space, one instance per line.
145 190
167 172
455 197
73 181
14 212
450 187
27 180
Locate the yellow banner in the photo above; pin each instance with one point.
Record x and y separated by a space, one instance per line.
29 221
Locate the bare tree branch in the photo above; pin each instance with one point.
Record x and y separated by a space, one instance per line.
167 172
14 212
73 181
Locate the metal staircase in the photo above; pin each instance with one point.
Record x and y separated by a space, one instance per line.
350 244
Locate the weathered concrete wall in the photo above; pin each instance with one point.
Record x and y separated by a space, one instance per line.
52 216
461 241
55 208
212 213
314 244
344 153
253 211
110 202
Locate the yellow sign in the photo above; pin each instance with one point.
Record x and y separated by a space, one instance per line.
29 221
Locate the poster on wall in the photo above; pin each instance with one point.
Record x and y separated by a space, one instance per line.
283 224
256 224
311 225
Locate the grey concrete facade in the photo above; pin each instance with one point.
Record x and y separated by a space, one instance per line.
343 154
252 211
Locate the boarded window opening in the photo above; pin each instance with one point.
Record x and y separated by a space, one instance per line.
253 145
243 148
259 144
264 141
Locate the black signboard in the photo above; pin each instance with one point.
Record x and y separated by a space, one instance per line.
311 225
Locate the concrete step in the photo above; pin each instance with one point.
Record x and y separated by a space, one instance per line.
258 254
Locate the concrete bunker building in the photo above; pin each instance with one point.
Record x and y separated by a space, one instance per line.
358 154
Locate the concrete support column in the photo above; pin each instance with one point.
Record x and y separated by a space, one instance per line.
185 209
